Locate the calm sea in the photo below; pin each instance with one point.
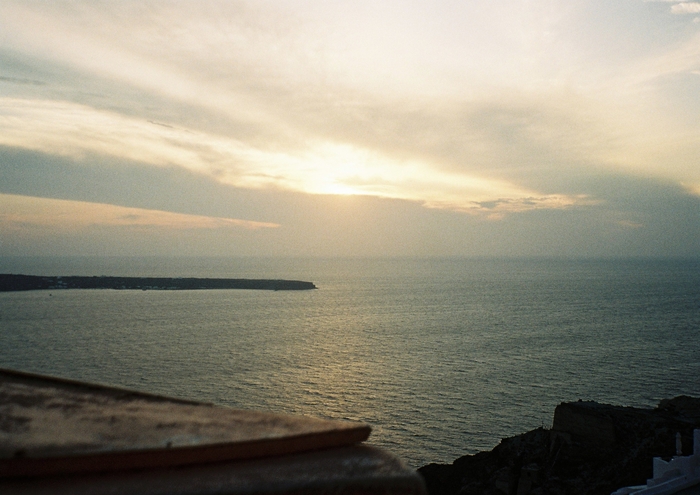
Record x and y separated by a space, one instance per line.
443 357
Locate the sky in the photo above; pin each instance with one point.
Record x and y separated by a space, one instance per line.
350 128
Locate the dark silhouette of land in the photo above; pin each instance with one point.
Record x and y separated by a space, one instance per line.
12 282
591 449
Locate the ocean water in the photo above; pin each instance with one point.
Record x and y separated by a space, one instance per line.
443 357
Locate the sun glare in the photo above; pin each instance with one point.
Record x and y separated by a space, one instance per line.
323 167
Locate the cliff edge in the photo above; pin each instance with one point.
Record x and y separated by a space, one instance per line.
591 449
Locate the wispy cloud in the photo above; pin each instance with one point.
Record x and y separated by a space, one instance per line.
496 210
22 212
22 80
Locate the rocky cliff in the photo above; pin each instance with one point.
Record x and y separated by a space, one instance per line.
591 449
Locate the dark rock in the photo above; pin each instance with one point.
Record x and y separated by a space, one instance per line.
586 422
592 449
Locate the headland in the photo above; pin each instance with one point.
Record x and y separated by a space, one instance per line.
12 282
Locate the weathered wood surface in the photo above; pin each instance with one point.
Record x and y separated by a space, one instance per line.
50 425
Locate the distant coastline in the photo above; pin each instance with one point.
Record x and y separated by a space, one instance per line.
16 282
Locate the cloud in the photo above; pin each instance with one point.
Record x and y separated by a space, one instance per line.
22 212
495 210
324 167
318 114
686 8
679 6
335 225
22 80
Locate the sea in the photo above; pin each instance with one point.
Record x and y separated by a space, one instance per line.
442 357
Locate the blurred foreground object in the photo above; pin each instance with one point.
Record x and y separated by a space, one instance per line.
63 436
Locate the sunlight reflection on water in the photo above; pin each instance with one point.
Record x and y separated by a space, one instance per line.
441 357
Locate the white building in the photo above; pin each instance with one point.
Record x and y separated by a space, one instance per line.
679 475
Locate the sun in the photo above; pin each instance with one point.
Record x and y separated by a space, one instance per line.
339 169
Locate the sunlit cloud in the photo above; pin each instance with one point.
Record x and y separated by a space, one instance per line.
442 113
496 210
70 129
23 212
475 107
692 188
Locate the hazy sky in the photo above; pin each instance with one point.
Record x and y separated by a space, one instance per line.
316 127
